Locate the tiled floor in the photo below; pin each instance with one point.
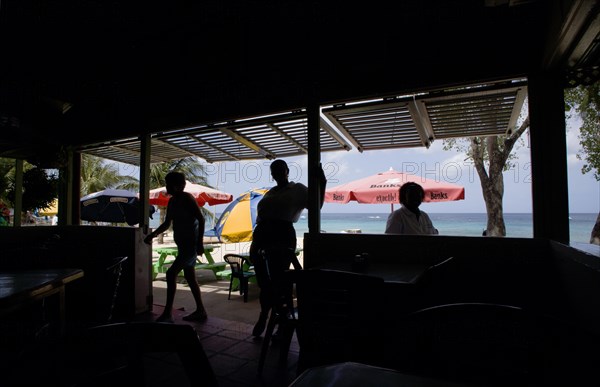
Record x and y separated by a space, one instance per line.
229 345
233 353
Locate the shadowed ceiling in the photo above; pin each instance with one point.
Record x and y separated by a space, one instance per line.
89 73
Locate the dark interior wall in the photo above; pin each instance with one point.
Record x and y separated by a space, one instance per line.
548 277
579 282
499 270
93 249
418 248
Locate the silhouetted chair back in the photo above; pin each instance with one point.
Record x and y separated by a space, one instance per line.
508 280
493 345
283 314
237 264
339 318
136 354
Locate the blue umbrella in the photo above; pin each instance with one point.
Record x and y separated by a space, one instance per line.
112 205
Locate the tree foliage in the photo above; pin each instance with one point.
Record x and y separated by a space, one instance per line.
7 166
491 156
584 102
97 174
189 166
40 186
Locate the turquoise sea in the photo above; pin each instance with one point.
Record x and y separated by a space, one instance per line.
471 224
519 225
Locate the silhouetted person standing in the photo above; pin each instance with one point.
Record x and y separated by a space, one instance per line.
277 212
188 232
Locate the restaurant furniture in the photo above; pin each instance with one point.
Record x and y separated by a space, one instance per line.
20 288
339 317
32 309
109 282
135 354
352 374
281 279
226 273
89 248
238 266
390 273
164 262
524 272
246 255
283 313
493 345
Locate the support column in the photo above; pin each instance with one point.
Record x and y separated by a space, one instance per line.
145 183
73 208
18 207
314 160
549 157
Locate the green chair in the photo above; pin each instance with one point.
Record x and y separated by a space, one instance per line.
236 264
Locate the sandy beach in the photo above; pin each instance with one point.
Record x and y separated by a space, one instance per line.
220 249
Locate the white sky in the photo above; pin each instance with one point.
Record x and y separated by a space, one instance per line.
344 166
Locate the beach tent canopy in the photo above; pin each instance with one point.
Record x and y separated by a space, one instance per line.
237 222
50 211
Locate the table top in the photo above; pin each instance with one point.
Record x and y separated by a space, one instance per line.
22 285
400 273
246 254
350 374
173 249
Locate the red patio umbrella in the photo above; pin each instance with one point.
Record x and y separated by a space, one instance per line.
203 195
383 188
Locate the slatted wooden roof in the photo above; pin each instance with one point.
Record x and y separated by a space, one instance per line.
392 122
417 120
267 137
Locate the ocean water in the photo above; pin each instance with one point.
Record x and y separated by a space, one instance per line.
470 224
467 224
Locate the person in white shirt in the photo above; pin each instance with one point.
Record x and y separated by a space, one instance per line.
409 219
276 213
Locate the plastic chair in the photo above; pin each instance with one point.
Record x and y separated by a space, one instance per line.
99 294
278 260
112 278
237 264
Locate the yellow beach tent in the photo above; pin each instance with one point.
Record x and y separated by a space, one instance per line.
50 211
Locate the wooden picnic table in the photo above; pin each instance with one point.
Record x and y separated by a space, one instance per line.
164 260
